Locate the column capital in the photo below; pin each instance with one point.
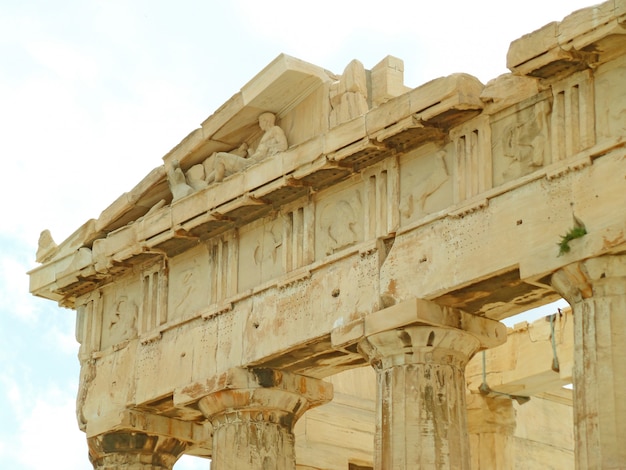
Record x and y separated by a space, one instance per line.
419 331
581 280
134 450
253 412
419 350
416 312
262 389
419 344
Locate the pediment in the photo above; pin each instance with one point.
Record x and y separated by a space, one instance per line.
279 88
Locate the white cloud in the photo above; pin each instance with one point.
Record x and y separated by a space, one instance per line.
48 435
12 393
64 339
38 426
64 59
13 285
433 38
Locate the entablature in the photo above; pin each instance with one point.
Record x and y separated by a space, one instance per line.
170 227
581 41
488 140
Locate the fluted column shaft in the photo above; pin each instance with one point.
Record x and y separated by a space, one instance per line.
421 414
596 290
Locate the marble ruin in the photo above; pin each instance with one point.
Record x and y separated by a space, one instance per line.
315 277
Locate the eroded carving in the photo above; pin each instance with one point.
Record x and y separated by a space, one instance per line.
178 183
348 96
188 272
222 164
340 223
120 311
227 163
261 248
87 375
47 247
429 177
522 142
267 248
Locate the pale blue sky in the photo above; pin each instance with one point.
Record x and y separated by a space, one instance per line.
94 92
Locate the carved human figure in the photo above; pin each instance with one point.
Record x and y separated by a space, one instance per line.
177 182
222 164
338 222
272 142
348 96
195 177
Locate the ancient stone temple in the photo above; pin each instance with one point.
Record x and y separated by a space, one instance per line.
304 281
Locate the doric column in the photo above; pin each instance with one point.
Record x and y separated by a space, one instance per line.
596 290
491 425
132 450
421 413
253 412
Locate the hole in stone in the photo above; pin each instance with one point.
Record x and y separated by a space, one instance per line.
336 292
431 339
519 222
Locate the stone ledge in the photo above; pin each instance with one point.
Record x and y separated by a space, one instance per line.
571 44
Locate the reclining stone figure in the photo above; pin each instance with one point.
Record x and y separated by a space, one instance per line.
226 163
221 164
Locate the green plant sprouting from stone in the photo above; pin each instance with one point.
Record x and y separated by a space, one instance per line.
575 232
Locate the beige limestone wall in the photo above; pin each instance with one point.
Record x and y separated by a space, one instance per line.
544 435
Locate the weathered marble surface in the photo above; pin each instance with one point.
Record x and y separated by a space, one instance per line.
360 197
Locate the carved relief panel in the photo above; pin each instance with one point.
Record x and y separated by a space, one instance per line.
520 137
339 215
573 116
188 275
260 252
425 182
121 302
348 96
471 144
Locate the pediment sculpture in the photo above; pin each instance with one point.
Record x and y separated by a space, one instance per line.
219 165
